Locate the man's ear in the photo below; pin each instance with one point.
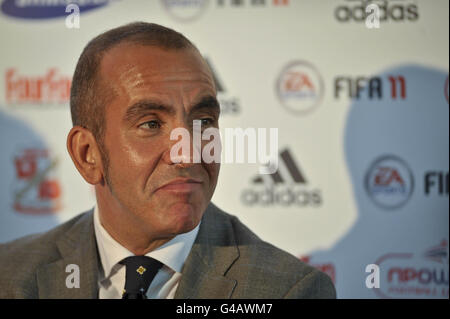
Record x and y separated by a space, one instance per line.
85 154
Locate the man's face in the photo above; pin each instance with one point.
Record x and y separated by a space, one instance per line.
156 91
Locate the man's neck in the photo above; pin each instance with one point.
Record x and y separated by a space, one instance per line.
128 231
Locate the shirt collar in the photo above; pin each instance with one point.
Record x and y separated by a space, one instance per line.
172 254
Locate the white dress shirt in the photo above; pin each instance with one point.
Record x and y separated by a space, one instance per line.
172 255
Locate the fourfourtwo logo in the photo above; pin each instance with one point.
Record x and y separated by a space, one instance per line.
286 187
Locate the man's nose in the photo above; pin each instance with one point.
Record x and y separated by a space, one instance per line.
182 150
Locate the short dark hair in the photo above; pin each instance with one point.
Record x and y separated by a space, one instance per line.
87 96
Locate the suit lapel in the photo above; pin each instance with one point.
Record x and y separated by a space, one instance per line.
213 253
77 247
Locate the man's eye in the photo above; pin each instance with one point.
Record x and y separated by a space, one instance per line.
151 125
207 121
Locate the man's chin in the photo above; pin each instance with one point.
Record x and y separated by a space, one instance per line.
183 217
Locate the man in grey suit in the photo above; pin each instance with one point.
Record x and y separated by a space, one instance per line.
132 87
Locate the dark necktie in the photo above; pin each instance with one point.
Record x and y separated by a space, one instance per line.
140 271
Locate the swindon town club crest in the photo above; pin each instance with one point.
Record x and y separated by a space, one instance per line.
36 189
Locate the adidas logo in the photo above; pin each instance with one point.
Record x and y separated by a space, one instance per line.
219 85
286 187
228 105
292 168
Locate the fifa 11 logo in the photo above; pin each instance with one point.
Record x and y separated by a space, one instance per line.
436 182
372 87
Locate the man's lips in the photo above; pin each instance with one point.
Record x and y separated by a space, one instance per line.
181 185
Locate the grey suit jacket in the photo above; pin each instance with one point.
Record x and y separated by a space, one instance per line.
227 260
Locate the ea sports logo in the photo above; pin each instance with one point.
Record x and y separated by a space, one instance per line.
300 87
185 10
389 182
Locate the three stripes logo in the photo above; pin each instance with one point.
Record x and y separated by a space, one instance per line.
292 168
228 104
286 187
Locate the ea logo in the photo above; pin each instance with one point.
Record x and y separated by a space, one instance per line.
389 182
300 87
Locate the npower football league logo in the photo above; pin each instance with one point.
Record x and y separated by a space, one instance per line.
415 275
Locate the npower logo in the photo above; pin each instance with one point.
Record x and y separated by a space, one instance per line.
46 9
423 274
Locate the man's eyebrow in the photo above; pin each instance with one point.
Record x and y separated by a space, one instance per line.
207 102
144 106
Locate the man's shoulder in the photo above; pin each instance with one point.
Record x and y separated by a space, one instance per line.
252 247
40 242
20 258
263 266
